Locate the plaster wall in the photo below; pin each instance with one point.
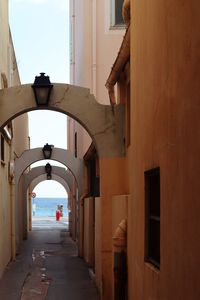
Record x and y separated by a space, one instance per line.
98 238
119 213
89 231
165 132
113 182
20 132
119 210
94 45
4 37
108 41
5 214
9 77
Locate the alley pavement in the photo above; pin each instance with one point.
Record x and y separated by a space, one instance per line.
48 267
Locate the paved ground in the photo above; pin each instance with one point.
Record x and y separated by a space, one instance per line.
48 267
49 223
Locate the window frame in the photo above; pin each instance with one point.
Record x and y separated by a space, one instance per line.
113 12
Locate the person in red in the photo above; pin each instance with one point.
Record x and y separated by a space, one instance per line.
57 214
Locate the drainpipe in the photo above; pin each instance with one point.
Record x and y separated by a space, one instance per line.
120 260
72 42
94 46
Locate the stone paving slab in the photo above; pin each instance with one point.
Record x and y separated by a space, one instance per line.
48 268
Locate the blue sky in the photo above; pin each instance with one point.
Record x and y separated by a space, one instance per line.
40 32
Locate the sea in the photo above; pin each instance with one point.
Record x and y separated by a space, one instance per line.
46 207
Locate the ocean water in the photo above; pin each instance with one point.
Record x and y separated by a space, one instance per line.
46 207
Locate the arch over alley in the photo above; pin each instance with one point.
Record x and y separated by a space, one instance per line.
42 178
104 123
63 156
38 174
31 156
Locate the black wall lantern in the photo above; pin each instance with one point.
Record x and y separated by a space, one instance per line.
42 89
47 151
48 169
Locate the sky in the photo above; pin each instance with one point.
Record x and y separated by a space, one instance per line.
40 32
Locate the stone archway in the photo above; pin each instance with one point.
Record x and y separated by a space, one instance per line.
63 156
104 123
37 175
34 175
33 184
42 178
27 158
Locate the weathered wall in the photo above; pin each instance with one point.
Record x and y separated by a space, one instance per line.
5 214
89 231
113 182
4 37
98 237
9 76
166 133
20 130
91 38
119 213
119 210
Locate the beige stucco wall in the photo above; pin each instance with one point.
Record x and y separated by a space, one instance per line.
5 213
20 130
166 133
5 203
94 47
4 36
9 72
98 238
89 231
119 213
20 124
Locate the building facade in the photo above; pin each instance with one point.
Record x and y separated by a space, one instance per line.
150 196
164 223
14 140
97 31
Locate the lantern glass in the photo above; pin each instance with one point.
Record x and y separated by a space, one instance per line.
47 151
42 89
42 95
48 169
48 176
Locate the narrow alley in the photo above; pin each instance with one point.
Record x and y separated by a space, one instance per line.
99 150
48 267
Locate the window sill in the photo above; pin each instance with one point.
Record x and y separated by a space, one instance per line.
118 27
153 268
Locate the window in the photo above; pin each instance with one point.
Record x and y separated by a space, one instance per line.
2 149
117 19
152 207
93 178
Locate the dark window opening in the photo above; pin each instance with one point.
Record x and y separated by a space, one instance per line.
2 149
93 178
152 207
75 145
118 12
